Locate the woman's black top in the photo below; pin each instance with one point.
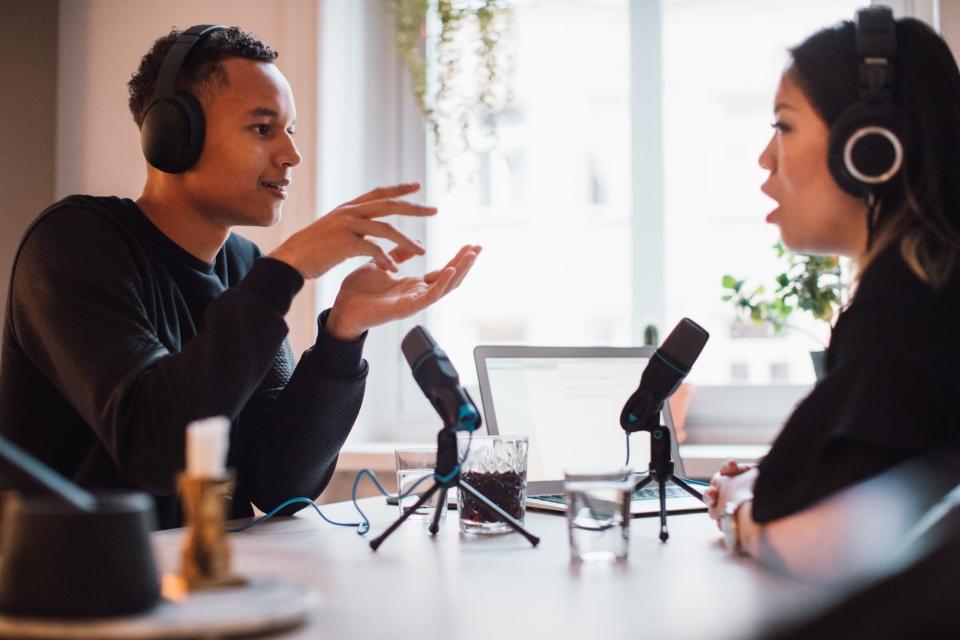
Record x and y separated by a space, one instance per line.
891 391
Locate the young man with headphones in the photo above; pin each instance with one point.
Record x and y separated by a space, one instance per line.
862 164
129 319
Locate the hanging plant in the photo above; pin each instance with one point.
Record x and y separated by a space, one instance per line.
464 84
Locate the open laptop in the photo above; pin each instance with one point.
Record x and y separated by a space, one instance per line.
567 401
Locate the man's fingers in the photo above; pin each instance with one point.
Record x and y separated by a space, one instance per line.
408 248
436 290
462 262
391 207
464 265
463 250
442 285
457 262
402 254
383 261
380 193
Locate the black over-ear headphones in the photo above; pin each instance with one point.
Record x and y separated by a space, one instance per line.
173 125
866 152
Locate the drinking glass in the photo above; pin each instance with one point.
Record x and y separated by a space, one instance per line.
414 464
598 513
496 466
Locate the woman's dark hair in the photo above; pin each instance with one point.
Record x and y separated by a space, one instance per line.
923 212
202 70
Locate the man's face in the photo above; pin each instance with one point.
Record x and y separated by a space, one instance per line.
248 153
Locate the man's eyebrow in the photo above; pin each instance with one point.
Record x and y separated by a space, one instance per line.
263 111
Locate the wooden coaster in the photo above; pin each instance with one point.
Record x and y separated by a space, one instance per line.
262 605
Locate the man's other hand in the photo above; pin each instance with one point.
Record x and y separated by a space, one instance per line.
343 233
370 296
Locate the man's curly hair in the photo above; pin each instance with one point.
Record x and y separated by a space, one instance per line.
202 71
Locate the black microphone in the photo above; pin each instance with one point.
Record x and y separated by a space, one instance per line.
439 381
667 368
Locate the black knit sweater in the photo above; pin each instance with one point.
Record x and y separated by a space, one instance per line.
890 392
116 338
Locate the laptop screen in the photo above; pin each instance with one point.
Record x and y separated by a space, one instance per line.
568 406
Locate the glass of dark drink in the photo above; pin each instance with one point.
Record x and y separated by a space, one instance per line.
496 466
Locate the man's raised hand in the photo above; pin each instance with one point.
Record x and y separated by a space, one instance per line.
344 233
371 296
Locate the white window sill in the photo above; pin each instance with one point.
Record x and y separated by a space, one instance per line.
700 460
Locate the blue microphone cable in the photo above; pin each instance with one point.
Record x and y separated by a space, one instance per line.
364 525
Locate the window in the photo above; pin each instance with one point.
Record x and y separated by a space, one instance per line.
605 209
551 205
625 185
718 98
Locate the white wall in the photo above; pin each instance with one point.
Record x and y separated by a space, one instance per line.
98 145
28 59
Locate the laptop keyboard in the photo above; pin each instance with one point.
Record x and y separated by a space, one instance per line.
647 493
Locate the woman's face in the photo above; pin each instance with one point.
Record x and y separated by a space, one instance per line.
813 213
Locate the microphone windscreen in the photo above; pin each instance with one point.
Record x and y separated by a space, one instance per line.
416 343
684 344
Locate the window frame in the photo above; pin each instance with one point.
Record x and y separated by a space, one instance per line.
388 144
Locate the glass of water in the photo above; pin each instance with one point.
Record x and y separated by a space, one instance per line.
413 465
598 513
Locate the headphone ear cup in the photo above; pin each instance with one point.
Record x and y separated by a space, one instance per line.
866 150
172 132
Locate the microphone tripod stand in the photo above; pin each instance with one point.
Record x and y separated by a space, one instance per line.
661 470
447 475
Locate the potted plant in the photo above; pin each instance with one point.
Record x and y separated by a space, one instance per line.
811 284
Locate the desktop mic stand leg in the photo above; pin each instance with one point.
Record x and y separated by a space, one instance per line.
448 475
376 542
498 512
437 513
661 470
489 506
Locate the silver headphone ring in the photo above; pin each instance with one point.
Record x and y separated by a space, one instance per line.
862 133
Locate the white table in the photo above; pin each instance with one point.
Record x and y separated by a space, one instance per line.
452 587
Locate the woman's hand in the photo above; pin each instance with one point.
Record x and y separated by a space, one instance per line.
732 483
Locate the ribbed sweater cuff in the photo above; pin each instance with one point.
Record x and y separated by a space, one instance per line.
335 358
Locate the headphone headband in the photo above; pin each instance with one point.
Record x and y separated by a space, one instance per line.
170 69
876 36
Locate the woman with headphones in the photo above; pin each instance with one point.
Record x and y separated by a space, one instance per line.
864 162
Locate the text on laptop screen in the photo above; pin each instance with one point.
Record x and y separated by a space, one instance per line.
570 409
